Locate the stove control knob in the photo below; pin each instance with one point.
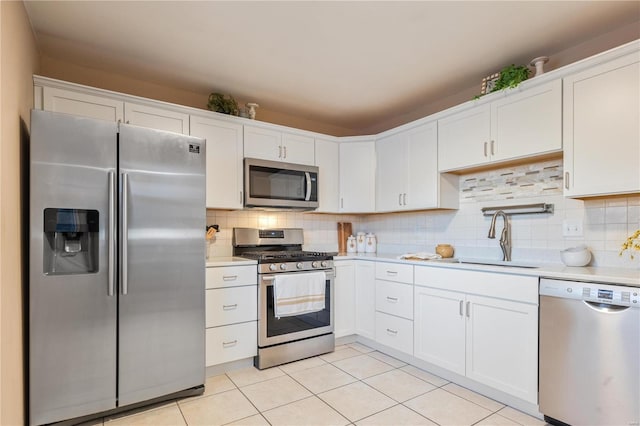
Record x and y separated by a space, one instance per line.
272 267
324 264
299 265
283 266
314 264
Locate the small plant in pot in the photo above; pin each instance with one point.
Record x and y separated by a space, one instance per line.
222 103
511 76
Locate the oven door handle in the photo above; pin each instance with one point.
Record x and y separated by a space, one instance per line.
330 273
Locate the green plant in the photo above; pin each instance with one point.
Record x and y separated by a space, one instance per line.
511 76
222 103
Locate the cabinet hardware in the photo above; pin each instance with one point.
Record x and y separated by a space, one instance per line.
390 331
229 307
485 149
230 343
404 198
566 180
229 277
279 151
399 199
240 197
468 309
285 151
493 147
392 299
461 308
341 203
392 273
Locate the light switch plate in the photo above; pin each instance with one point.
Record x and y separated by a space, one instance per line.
572 228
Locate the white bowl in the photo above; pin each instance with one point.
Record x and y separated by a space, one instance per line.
576 256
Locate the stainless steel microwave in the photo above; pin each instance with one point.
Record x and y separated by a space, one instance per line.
277 185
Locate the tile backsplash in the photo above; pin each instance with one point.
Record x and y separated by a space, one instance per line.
535 237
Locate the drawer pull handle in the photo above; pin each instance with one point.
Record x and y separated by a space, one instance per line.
390 331
231 343
392 272
566 180
229 307
229 277
468 309
392 299
461 309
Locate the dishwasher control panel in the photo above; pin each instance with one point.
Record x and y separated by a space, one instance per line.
592 292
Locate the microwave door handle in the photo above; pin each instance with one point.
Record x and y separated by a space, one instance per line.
307 175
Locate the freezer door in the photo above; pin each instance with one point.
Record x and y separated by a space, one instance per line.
72 309
163 215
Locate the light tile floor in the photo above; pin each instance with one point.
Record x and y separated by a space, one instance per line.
354 385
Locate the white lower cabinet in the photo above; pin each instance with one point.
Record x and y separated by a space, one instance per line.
395 332
491 340
231 313
394 298
345 299
365 303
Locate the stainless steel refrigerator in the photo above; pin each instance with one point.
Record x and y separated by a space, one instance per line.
116 273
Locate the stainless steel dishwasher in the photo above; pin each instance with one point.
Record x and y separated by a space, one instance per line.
589 353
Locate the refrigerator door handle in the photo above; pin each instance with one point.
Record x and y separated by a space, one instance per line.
112 230
125 232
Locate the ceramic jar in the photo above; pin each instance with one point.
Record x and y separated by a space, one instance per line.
370 243
360 242
444 250
351 244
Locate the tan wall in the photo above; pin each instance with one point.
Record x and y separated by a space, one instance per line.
62 70
18 61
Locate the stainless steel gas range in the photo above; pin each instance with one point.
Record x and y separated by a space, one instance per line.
283 265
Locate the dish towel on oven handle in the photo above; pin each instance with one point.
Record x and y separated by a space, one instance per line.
299 293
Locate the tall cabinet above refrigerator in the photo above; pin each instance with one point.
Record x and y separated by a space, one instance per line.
116 266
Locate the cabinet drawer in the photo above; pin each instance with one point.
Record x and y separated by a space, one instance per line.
231 305
394 298
231 276
231 342
394 272
397 333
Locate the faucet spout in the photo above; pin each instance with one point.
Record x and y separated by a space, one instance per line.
505 237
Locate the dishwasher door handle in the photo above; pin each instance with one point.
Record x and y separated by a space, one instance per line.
604 307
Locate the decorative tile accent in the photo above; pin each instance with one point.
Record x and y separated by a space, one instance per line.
522 181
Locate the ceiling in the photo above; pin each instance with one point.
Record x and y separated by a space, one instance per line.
351 64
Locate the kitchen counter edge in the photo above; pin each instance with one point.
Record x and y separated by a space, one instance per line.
216 262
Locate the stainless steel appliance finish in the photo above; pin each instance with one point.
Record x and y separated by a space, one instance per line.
277 185
279 252
130 326
589 353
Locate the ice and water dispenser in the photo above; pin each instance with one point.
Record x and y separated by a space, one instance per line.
71 241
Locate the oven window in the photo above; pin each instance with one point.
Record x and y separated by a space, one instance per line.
286 325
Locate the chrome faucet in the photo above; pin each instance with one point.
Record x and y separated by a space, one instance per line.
505 237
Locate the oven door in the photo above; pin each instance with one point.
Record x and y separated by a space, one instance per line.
272 330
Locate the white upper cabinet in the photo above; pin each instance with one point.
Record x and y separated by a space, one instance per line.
224 161
82 104
156 118
602 129
407 176
357 177
522 123
328 162
274 145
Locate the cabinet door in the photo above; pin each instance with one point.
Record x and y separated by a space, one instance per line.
394 298
265 144
439 323
502 346
357 177
391 173
156 118
422 164
601 129
365 302
298 149
231 342
344 315
397 333
224 161
328 162
527 123
84 105
463 139
225 306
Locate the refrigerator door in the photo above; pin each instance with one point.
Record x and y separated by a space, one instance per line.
72 308
163 218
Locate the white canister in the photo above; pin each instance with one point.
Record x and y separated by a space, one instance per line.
360 242
351 244
370 243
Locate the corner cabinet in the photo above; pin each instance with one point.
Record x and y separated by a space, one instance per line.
357 176
602 129
459 324
524 122
224 161
274 145
407 176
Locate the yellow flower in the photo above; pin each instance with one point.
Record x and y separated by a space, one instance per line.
631 243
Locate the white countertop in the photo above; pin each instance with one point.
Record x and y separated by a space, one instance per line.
213 262
621 276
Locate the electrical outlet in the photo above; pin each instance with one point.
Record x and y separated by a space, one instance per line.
572 228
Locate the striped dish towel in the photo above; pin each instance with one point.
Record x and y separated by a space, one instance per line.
299 293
